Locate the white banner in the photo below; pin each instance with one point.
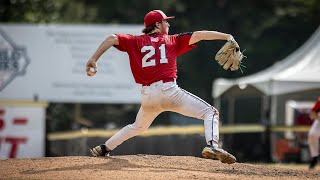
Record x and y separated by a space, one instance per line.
47 63
22 131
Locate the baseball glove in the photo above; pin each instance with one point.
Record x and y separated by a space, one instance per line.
230 56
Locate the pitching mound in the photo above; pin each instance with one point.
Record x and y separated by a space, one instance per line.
143 167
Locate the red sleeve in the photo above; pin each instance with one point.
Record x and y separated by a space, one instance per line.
316 107
124 42
183 43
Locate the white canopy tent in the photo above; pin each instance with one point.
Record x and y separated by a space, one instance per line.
296 77
297 72
264 97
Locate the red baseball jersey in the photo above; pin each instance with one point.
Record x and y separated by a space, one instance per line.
316 107
153 57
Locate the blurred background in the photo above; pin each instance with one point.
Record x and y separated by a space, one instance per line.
49 107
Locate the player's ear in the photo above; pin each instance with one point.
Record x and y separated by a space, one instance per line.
157 25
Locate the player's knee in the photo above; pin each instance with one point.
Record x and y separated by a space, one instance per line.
215 111
215 114
212 113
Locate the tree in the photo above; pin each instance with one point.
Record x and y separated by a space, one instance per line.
269 30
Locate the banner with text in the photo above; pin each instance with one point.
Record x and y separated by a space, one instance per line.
47 63
22 131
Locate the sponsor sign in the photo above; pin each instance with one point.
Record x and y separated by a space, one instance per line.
22 131
47 63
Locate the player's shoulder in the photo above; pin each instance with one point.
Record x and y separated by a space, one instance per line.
185 34
132 36
141 36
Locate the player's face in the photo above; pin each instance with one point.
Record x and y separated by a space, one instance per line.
164 27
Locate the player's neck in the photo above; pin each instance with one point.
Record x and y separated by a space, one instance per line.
156 31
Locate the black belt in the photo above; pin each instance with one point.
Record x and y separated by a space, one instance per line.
163 80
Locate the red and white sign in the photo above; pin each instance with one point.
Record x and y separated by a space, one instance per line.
22 131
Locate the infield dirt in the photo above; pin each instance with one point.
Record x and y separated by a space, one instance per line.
144 167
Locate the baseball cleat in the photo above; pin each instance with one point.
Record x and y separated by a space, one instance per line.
210 152
100 150
313 162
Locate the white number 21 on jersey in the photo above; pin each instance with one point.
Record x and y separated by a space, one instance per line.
152 62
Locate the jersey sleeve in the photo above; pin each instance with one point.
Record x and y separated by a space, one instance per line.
316 107
183 43
124 42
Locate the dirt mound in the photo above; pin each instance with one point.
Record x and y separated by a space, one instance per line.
143 167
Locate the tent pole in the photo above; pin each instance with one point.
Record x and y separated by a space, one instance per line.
231 111
217 103
273 115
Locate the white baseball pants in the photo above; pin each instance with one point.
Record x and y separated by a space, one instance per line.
160 97
313 138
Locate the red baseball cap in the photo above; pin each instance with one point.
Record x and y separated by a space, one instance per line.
155 16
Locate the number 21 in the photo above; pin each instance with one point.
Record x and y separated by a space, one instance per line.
146 62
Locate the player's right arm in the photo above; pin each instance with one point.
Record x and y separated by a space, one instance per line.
209 35
104 46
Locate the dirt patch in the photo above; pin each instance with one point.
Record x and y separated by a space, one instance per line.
143 167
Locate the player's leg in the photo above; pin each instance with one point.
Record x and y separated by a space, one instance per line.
148 111
185 103
143 121
313 141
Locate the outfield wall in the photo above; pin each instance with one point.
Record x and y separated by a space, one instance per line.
248 142
46 63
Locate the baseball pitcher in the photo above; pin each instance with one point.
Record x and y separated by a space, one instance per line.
153 64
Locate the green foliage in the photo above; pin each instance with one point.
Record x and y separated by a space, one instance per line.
46 11
59 117
269 30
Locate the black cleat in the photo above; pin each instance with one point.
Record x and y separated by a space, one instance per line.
210 152
100 150
313 162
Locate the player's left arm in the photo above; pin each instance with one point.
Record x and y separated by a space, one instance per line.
209 35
